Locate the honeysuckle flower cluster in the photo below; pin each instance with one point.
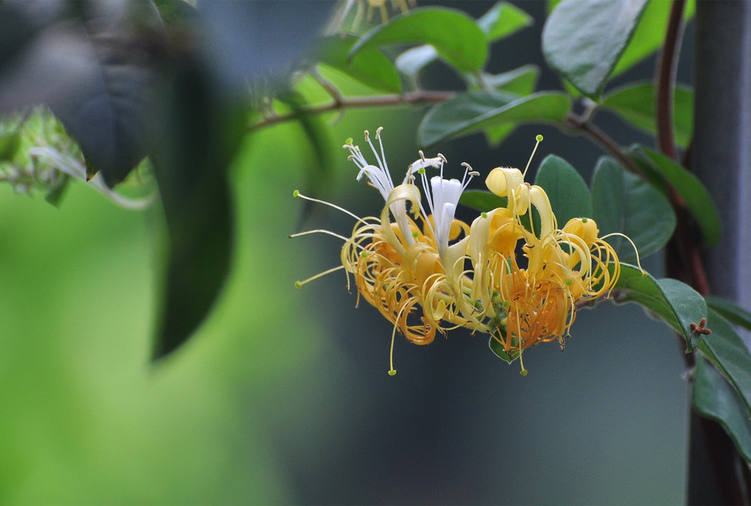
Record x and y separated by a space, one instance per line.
512 273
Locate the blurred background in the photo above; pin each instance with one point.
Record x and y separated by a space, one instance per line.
282 396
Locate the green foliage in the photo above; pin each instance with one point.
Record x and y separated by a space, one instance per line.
661 169
501 20
583 39
449 119
730 310
567 191
370 66
455 36
626 203
649 34
727 351
636 103
482 201
673 302
9 144
713 398
497 348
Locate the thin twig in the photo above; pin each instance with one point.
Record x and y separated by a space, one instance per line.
666 80
415 98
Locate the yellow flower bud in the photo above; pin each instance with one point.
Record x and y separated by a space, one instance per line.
586 228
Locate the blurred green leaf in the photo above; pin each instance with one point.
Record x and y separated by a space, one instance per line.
474 111
674 302
370 67
482 201
455 36
413 60
568 193
713 398
583 39
636 104
623 202
9 144
727 351
521 81
502 20
689 187
190 165
730 310
649 35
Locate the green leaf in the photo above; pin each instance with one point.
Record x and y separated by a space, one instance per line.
730 310
370 66
713 398
727 351
497 348
452 119
521 81
191 165
675 303
636 104
568 193
626 203
688 186
502 20
583 39
9 144
455 36
481 200
649 35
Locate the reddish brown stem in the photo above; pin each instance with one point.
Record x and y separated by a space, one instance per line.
418 97
666 78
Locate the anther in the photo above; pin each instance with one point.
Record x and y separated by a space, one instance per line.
440 155
367 135
422 155
474 173
466 166
378 132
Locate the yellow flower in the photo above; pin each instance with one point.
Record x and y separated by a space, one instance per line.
523 285
410 268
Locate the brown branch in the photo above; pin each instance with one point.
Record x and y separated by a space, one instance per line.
666 80
415 98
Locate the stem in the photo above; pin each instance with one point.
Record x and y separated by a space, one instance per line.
414 98
666 80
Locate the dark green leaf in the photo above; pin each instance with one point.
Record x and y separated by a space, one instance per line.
497 348
628 204
472 112
649 35
727 351
636 104
730 310
455 36
9 144
675 303
688 186
520 81
568 193
481 200
190 165
370 67
583 39
502 20
713 398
